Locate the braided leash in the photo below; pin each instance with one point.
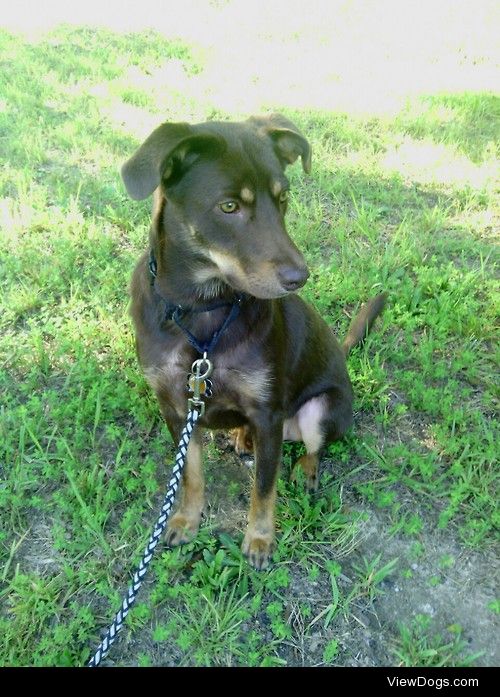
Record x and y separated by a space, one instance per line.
180 458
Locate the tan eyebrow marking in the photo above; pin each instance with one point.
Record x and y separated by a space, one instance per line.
247 196
276 188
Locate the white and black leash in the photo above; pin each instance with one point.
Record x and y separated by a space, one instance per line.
199 385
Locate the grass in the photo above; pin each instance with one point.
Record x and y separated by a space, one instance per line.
404 203
415 647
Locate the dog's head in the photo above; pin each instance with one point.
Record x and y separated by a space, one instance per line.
221 194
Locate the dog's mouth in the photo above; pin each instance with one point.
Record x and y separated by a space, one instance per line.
265 281
262 289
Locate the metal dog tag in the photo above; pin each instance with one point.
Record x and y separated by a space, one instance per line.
199 384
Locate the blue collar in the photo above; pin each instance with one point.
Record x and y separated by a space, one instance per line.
177 313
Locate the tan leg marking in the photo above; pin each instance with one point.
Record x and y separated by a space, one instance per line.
309 464
258 543
184 524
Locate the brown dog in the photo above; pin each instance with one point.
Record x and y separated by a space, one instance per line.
219 277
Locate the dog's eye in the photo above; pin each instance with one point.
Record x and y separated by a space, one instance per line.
229 207
283 196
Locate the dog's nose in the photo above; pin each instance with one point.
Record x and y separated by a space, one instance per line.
293 277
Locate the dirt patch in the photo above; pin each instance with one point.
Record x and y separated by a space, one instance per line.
447 583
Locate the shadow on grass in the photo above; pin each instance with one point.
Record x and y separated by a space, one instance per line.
64 144
470 122
467 121
51 121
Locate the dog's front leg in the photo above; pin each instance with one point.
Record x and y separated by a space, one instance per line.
184 524
267 436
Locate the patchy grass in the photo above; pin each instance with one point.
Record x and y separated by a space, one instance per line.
403 203
415 647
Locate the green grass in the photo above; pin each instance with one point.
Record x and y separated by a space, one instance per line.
417 647
84 454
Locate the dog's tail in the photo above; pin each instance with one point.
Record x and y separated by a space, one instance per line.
361 324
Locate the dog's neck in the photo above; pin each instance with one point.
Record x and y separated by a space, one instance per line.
205 315
181 277
173 284
181 273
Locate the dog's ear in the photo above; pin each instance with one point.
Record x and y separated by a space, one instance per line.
162 154
289 143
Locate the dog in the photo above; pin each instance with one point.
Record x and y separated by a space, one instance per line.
220 278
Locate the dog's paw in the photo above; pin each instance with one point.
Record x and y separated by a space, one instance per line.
181 529
258 550
310 482
241 441
309 466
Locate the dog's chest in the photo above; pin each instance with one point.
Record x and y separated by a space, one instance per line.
237 384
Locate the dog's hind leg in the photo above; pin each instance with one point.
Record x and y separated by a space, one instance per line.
241 440
321 420
307 426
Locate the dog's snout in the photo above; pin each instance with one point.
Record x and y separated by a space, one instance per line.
293 277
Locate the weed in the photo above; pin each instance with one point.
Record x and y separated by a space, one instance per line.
416 647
